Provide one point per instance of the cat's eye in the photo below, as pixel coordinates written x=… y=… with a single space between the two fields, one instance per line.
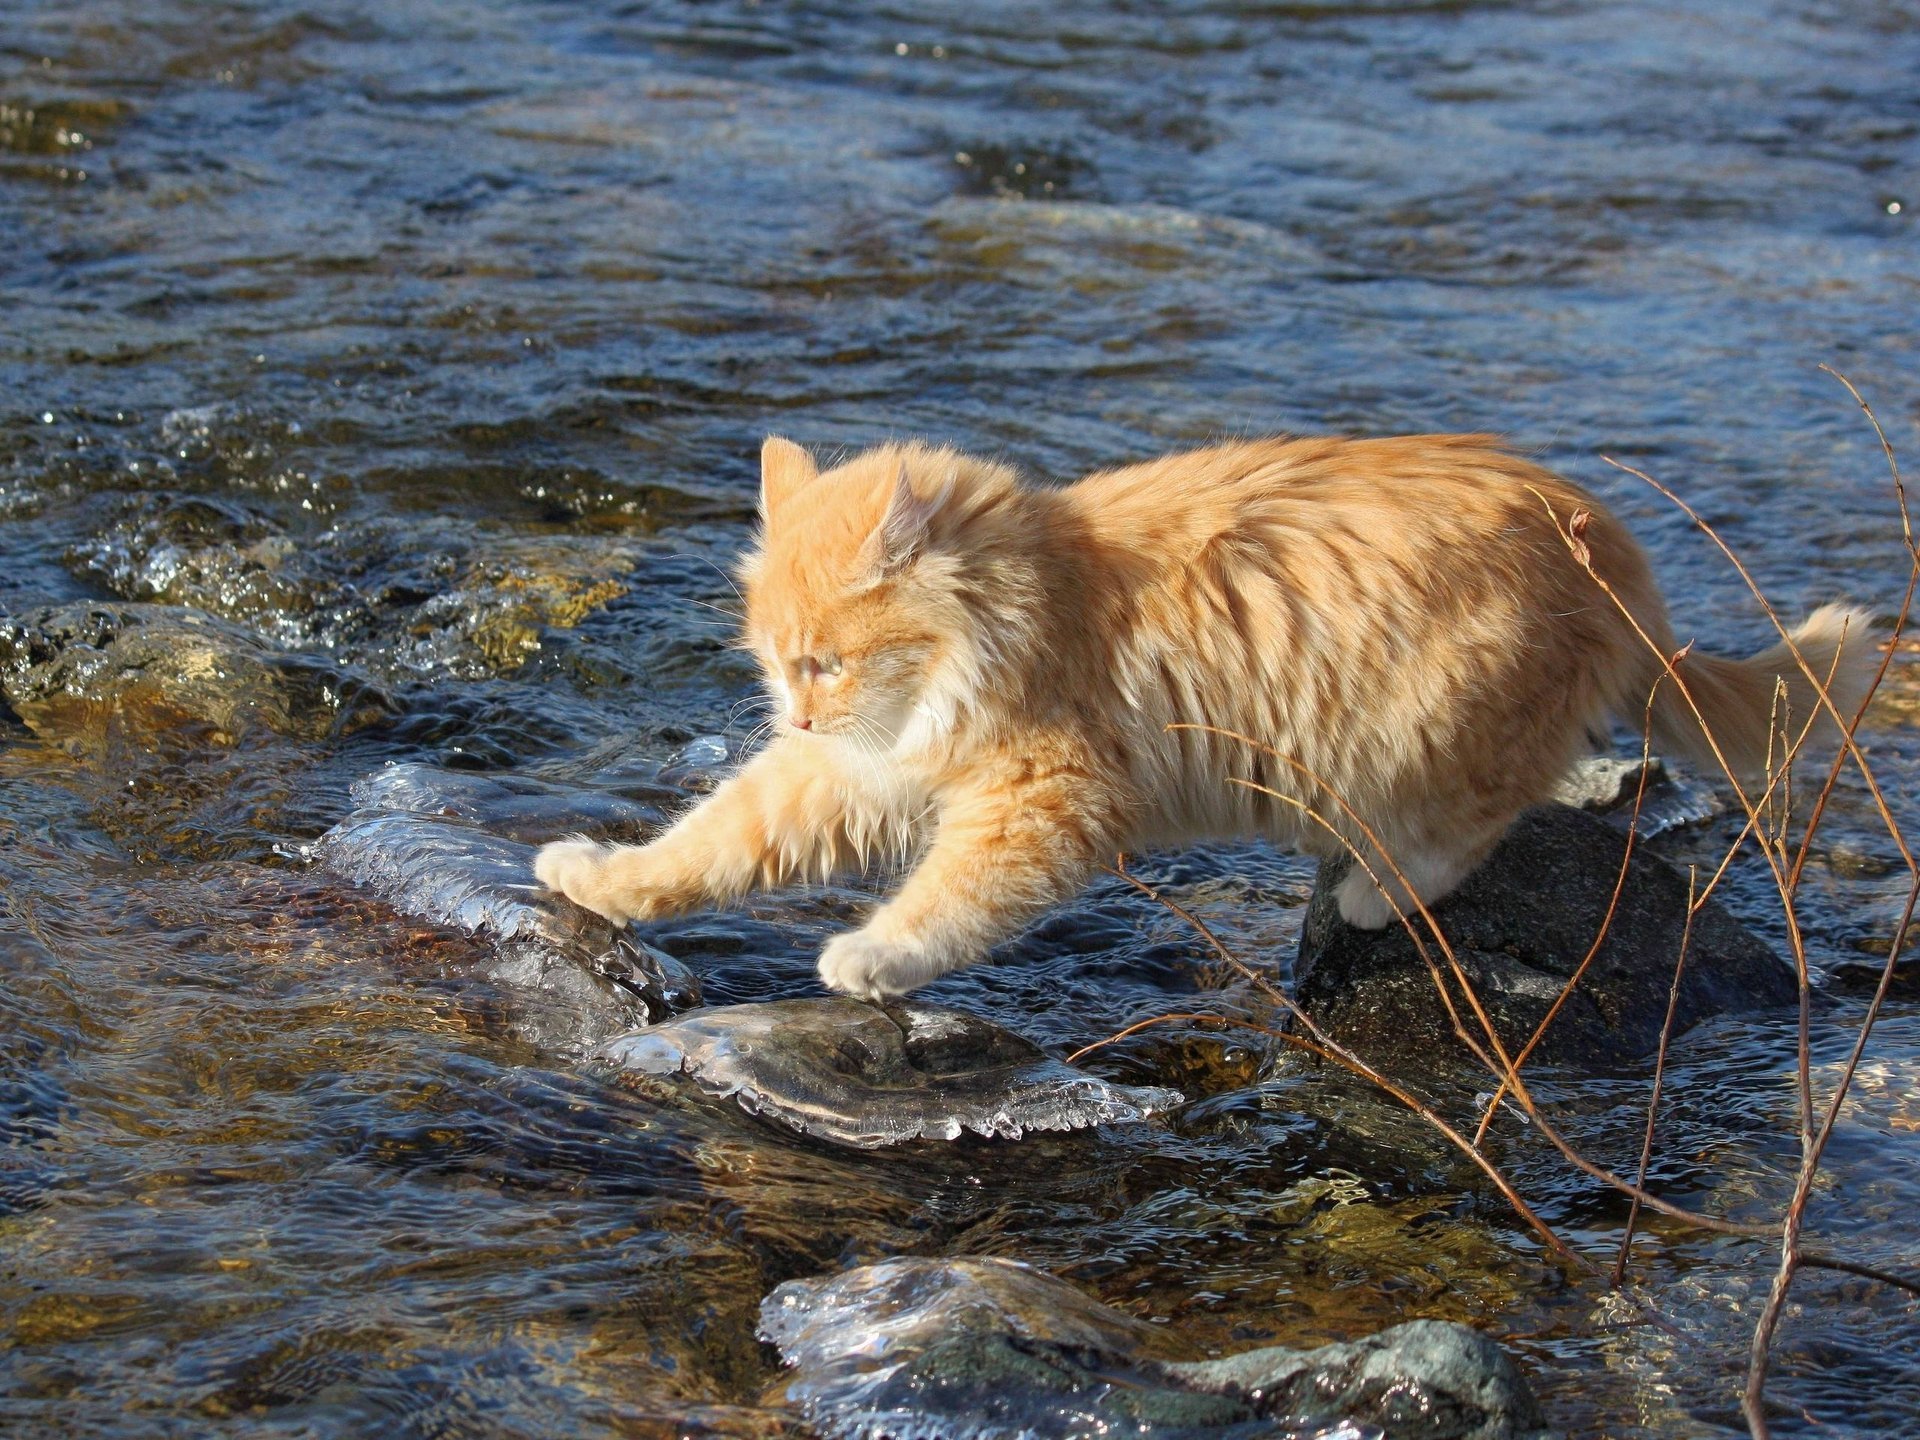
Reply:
x=811 y=665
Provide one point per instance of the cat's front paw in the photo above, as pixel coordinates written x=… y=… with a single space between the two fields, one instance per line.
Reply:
x=861 y=964
x=577 y=869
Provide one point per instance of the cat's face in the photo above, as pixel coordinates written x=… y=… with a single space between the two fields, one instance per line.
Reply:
x=843 y=616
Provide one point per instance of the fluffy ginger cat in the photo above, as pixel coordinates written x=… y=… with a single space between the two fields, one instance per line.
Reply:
x=978 y=676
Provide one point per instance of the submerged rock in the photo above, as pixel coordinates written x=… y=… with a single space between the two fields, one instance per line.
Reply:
x=438 y=597
x=1520 y=926
x=67 y=669
x=1424 y=1380
x=868 y=1075
x=979 y=1349
x=415 y=841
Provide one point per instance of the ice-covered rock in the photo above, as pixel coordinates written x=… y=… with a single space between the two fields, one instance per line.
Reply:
x=990 y=1349
x=866 y=1075
x=415 y=840
x=1607 y=784
x=516 y=806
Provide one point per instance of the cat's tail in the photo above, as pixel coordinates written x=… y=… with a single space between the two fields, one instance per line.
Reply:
x=1748 y=705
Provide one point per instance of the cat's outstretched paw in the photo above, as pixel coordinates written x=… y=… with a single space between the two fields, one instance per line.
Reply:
x=865 y=965
x=577 y=869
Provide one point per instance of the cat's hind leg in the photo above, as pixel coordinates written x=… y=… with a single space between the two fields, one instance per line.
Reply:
x=1432 y=870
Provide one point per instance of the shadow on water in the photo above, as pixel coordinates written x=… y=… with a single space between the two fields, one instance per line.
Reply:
x=383 y=384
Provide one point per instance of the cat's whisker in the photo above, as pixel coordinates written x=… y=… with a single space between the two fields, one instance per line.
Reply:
x=736 y=615
x=730 y=582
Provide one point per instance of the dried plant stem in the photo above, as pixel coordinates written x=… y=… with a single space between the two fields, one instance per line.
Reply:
x=1659 y=1074
x=1328 y=1048
x=1503 y=1067
x=1767 y=818
x=1787 y=871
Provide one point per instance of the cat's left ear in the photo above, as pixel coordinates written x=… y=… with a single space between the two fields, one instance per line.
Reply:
x=784 y=468
x=902 y=533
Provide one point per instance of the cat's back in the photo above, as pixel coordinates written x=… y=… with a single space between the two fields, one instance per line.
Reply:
x=1445 y=484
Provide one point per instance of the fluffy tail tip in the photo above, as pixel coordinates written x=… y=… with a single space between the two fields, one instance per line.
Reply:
x=1838 y=645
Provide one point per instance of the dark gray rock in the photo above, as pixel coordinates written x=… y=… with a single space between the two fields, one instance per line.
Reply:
x=1520 y=926
x=868 y=1075
x=981 y=1349
x=68 y=670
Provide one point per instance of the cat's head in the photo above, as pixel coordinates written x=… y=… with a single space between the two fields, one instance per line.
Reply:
x=857 y=610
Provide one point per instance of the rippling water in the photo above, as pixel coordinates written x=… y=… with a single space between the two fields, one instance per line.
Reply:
x=431 y=345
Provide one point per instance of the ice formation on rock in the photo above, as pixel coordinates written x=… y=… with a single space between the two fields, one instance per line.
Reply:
x=868 y=1075
x=990 y=1349
x=415 y=840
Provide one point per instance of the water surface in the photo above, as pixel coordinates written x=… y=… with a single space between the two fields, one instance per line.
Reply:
x=435 y=343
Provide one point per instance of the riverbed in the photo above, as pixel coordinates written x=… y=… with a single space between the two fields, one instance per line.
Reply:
x=421 y=355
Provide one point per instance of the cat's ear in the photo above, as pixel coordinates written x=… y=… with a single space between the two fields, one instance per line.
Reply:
x=902 y=532
x=784 y=468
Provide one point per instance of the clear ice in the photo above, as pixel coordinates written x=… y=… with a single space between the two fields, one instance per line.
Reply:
x=415 y=840
x=991 y=1349
x=867 y=1075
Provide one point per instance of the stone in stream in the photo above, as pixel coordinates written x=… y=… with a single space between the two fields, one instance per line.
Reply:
x=69 y=669
x=1520 y=926
x=1607 y=784
x=867 y=1075
x=441 y=595
x=415 y=840
x=990 y=1349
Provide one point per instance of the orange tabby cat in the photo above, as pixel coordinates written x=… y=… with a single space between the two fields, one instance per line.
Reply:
x=979 y=674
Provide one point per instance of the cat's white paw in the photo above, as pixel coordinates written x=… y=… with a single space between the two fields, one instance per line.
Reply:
x=865 y=965
x=1361 y=902
x=577 y=870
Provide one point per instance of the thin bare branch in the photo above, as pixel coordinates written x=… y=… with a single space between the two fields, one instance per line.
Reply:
x=1659 y=1074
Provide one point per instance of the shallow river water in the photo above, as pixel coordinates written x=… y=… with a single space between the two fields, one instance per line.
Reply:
x=428 y=348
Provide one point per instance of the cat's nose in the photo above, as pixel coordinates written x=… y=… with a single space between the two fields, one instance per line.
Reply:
x=801 y=723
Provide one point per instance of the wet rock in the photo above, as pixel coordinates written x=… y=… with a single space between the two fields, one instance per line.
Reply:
x=66 y=670
x=415 y=841
x=866 y=1075
x=966 y=1349
x=489 y=600
x=1520 y=926
x=1607 y=784
x=429 y=598
x=1424 y=1380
